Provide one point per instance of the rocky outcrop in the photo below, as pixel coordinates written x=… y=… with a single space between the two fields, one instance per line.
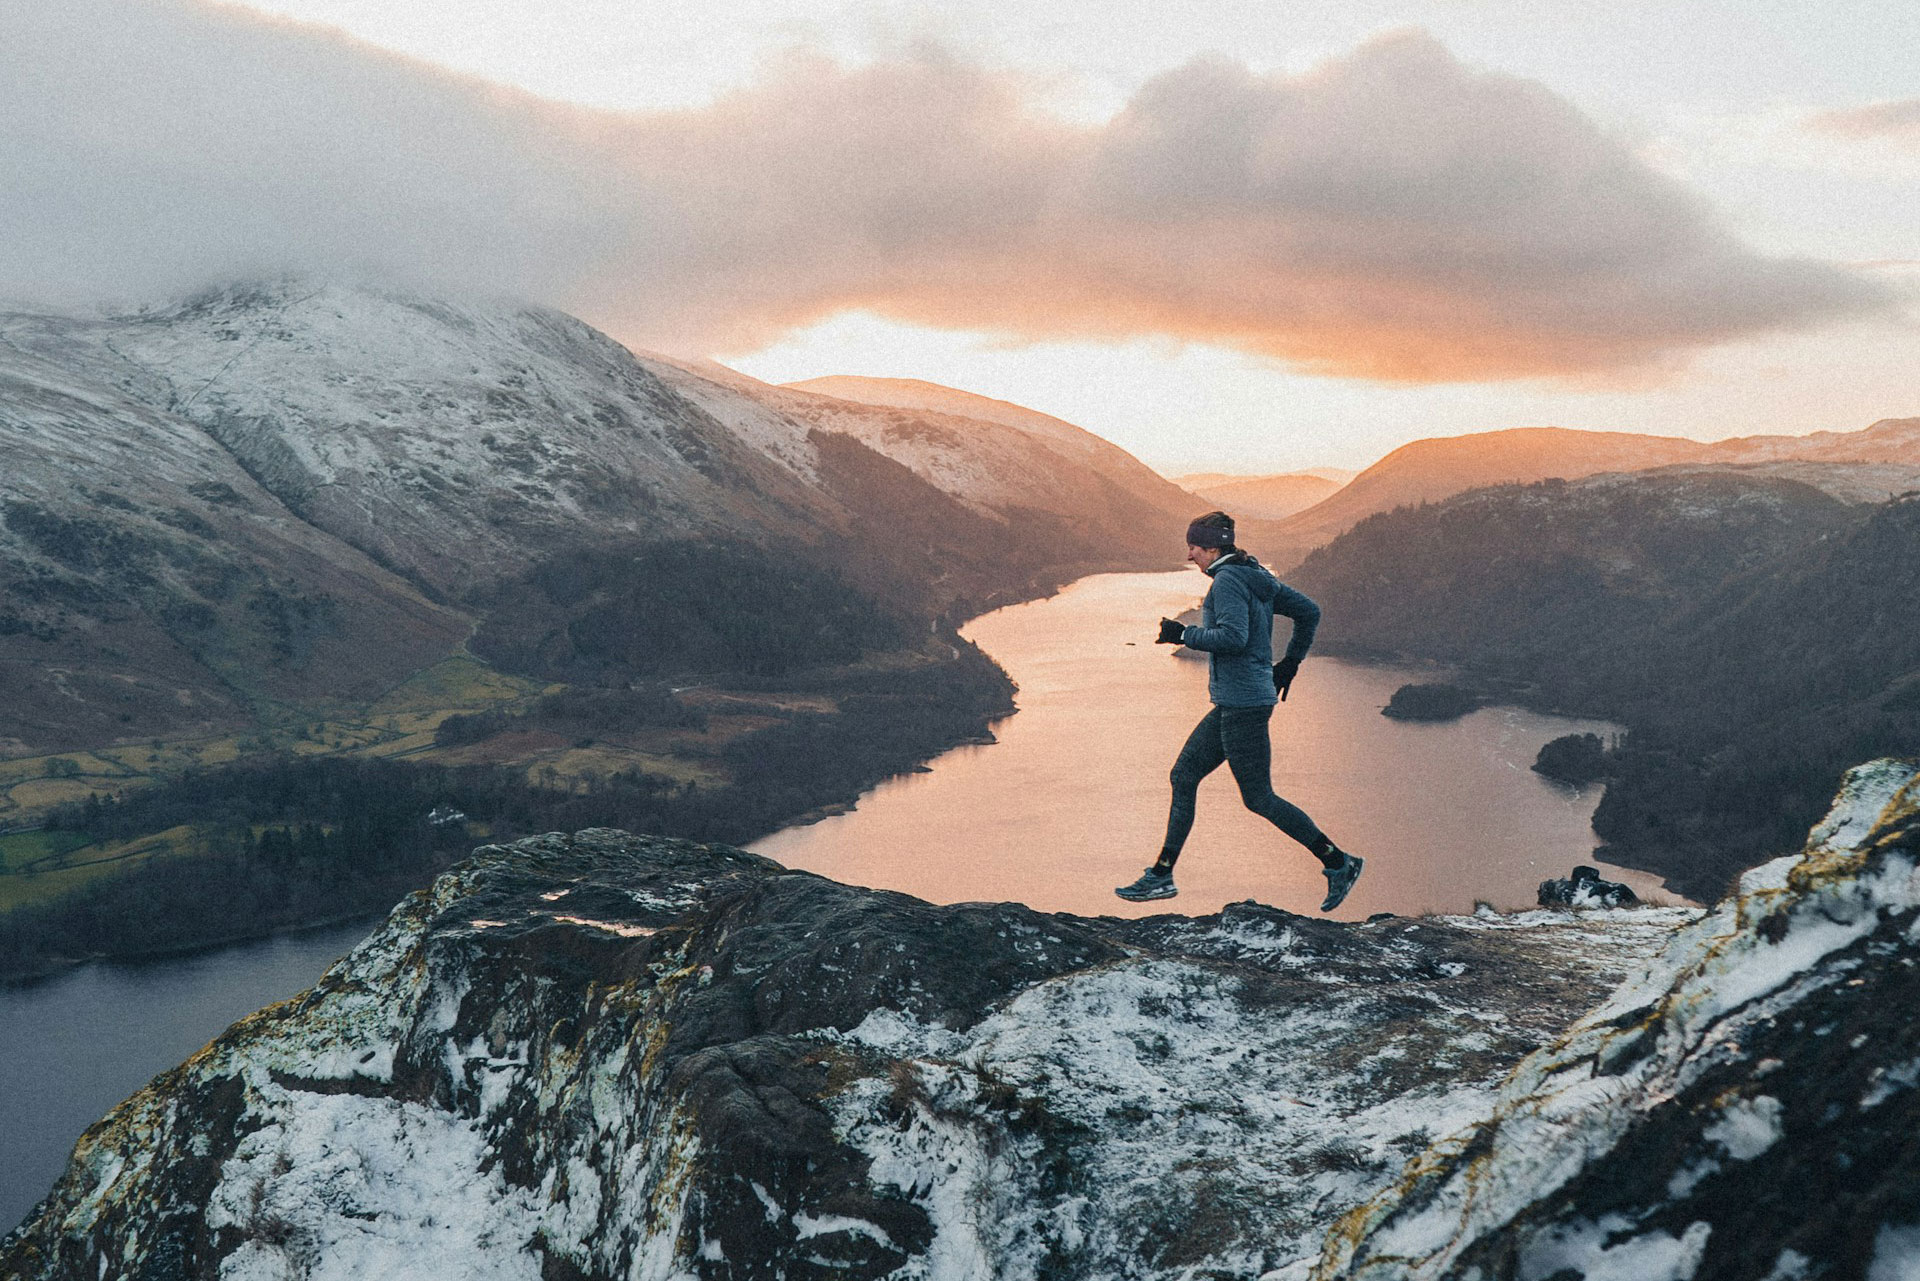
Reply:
x=1585 y=889
x=1744 y=1108
x=610 y=1056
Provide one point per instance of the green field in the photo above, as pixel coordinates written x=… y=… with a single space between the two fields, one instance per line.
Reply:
x=37 y=866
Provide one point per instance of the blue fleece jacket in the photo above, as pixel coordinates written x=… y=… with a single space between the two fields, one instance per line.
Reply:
x=1236 y=630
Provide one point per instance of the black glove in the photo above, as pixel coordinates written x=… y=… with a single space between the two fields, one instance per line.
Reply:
x=1171 y=631
x=1283 y=673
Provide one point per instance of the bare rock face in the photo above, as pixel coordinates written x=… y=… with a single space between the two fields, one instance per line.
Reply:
x=609 y=1056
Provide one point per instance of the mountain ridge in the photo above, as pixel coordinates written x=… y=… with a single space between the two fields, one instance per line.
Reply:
x=1435 y=468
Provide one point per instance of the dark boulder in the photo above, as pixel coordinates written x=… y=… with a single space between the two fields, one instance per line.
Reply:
x=1585 y=889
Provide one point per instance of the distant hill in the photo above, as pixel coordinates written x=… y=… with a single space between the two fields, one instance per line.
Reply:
x=1756 y=635
x=1196 y=481
x=1265 y=497
x=1427 y=471
x=1891 y=440
x=940 y=431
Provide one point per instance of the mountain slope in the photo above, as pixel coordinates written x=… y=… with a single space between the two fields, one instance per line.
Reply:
x=1113 y=463
x=1754 y=634
x=150 y=587
x=338 y=457
x=1428 y=470
x=455 y=442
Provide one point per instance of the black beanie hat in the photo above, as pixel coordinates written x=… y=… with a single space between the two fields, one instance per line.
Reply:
x=1215 y=529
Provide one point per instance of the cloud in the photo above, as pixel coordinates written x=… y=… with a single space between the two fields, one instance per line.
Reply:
x=1898 y=121
x=1392 y=214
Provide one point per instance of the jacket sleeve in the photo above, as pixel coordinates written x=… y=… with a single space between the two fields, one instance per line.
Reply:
x=1305 y=615
x=1228 y=635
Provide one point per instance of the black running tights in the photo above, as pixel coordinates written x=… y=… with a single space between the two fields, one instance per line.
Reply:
x=1236 y=736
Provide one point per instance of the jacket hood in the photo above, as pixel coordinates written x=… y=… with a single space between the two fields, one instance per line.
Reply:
x=1258 y=578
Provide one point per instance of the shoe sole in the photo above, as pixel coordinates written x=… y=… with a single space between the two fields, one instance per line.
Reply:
x=1147 y=897
x=1335 y=900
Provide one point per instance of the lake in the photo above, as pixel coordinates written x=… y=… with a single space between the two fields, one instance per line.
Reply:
x=1072 y=799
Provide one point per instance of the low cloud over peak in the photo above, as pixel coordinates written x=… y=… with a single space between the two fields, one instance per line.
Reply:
x=1390 y=214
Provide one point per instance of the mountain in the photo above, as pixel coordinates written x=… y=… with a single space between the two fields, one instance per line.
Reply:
x=1427 y=471
x=1754 y=634
x=609 y=1056
x=300 y=490
x=947 y=409
x=1264 y=497
x=151 y=586
x=1891 y=440
x=1196 y=481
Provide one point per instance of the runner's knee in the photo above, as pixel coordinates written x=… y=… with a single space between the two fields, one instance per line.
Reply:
x=1258 y=799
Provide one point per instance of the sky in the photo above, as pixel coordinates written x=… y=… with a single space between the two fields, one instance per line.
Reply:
x=1243 y=237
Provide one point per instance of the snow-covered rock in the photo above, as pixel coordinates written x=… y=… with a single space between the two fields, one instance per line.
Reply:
x=607 y=1056
x=1743 y=1108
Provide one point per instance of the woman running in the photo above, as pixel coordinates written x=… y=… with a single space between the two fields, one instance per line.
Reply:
x=1243 y=683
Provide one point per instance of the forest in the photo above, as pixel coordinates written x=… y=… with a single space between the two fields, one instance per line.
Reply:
x=1755 y=637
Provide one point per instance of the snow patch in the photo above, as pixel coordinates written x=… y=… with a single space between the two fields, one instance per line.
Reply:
x=809 y=1226
x=1747 y=1127
x=341 y=1187
x=1890 y=1081
x=1896 y=1253
x=1582 y=1249
x=611 y=927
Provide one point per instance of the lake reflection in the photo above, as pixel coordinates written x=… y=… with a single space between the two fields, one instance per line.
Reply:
x=1073 y=798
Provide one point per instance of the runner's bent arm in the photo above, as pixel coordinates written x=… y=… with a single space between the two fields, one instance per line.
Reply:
x=1306 y=619
x=1231 y=609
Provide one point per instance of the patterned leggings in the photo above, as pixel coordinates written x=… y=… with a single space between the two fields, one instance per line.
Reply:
x=1236 y=736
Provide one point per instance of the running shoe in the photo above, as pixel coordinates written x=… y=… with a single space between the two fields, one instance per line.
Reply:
x=1151 y=885
x=1340 y=879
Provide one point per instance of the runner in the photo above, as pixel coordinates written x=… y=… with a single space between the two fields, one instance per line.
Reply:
x=1244 y=683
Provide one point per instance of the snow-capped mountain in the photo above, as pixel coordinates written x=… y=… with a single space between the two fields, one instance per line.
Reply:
x=450 y=440
x=606 y=1056
x=150 y=586
x=278 y=489
x=940 y=410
